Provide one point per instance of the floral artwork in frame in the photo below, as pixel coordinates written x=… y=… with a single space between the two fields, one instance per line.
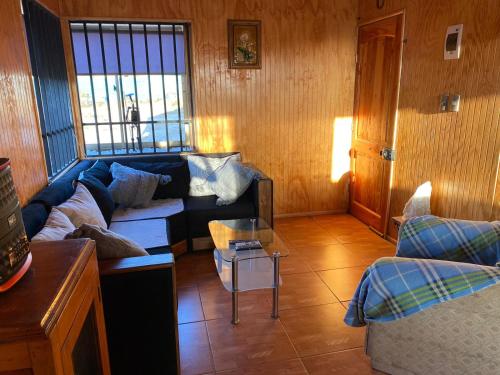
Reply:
x=244 y=44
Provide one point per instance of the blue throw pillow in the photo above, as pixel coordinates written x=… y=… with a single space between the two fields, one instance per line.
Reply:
x=178 y=171
x=100 y=170
x=100 y=193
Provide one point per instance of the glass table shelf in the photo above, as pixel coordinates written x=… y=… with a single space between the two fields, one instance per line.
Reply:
x=248 y=269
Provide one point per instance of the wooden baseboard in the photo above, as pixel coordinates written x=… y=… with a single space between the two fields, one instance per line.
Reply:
x=179 y=248
x=311 y=213
x=203 y=243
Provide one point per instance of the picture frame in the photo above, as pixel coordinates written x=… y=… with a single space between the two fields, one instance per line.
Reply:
x=244 y=44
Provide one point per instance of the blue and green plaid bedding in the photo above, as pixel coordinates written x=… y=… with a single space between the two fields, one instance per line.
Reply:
x=459 y=258
x=393 y=288
x=431 y=237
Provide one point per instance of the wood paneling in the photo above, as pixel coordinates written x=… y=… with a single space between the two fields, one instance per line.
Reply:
x=52 y=5
x=457 y=152
x=282 y=116
x=19 y=131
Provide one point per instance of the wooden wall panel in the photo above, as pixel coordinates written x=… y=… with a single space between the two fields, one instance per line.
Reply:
x=281 y=117
x=19 y=131
x=52 y=5
x=458 y=152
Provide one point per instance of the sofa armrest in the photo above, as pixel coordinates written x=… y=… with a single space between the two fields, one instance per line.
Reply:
x=140 y=311
x=262 y=188
x=135 y=264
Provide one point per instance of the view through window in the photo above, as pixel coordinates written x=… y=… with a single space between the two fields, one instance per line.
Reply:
x=134 y=87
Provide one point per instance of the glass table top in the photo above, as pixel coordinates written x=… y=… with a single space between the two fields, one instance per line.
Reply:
x=223 y=231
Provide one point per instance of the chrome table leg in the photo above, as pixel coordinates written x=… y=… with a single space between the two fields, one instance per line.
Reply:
x=234 y=279
x=276 y=284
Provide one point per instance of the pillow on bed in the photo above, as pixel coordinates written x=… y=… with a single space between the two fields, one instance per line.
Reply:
x=108 y=244
x=200 y=168
x=56 y=227
x=81 y=208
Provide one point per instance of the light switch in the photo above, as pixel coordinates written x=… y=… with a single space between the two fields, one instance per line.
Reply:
x=454 y=103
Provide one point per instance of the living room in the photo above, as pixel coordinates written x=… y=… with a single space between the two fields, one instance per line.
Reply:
x=276 y=187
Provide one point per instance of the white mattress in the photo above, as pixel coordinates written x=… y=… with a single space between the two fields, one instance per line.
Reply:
x=147 y=233
x=161 y=208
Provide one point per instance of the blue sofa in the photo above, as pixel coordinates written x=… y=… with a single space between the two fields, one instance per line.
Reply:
x=188 y=229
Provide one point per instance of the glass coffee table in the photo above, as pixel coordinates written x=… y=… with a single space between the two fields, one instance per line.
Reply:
x=248 y=269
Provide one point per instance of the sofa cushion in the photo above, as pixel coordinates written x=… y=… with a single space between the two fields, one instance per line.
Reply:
x=179 y=172
x=34 y=217
x=61 y=189
x=201 y=168
x=201 y=210
x=109 y=244
x=56 y=228
x=147 y=233
x=155 y=210
x=230 y=182
x=132 y=187
x=100 y=193
x=82 y=208
x=100 y=170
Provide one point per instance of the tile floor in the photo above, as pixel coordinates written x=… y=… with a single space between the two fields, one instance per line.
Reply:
x=328 y=255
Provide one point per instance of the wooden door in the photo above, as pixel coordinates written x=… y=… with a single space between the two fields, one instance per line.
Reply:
x=377 y=86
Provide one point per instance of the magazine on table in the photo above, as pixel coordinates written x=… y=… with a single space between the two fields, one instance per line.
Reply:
x=240 y=245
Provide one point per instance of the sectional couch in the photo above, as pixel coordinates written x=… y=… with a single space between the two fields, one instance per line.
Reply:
x=141 y=323
x=185 y=230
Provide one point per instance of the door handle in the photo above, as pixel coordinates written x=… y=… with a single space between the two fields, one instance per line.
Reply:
x=388 y=154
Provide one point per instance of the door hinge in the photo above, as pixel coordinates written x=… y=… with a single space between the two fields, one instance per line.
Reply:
x=353 y=153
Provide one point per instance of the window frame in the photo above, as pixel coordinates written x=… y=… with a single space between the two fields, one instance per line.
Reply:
x=181 y=121
x=60 y=143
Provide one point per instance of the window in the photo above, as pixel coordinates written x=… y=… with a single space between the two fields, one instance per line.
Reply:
x=134 y=87
x=51 y=87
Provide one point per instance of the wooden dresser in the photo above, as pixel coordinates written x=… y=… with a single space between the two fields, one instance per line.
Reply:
x=52 y=321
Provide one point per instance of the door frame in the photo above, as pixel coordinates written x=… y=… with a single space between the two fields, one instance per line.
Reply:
x=394 y=110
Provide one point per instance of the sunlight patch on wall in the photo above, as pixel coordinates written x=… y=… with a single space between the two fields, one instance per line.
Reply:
x=215 y=134
x=342 y=138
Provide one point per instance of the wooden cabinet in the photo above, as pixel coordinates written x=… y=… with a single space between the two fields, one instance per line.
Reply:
x=52 y=322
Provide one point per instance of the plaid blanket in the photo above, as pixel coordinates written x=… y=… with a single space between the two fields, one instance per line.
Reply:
x=393 y=288
x=432 y=237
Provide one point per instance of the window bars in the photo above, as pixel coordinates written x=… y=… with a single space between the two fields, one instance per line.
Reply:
x=134 y=86
x=51 y=87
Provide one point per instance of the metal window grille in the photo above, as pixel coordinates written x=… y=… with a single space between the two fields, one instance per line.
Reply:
x=134 y=86
x=51 y=87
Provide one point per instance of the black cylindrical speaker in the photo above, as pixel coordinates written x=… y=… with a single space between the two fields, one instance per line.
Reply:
x=15 y=256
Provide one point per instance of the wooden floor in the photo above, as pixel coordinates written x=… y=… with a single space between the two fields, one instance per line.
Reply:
x=327 y=257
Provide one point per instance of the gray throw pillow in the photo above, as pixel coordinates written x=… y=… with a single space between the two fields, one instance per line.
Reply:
x=230 y=181
x=108 y=244
x=133 y=188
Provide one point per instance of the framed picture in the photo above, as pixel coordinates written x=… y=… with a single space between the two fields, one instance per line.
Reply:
x=244 y=44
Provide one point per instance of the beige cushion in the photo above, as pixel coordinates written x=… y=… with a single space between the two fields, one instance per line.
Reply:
x=109 y=244
x=82 y=208
x=56 y=228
